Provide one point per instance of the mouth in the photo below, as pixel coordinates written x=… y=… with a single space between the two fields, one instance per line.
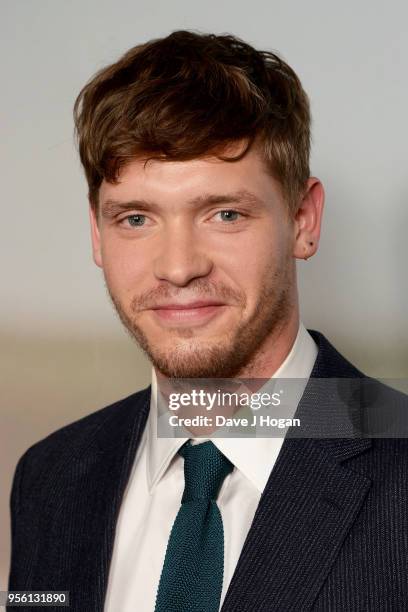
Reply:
x=198 y=312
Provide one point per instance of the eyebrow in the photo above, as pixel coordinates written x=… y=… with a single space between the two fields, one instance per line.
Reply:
x=112 y=207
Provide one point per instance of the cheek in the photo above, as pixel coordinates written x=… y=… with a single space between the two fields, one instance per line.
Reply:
x=255 y=256
x=250 y=265
x=122 y=269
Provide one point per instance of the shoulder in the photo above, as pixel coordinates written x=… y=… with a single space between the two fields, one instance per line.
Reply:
x=81 y=431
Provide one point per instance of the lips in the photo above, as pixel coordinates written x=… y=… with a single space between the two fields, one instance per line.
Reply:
x=188 y=306
x=198 y=312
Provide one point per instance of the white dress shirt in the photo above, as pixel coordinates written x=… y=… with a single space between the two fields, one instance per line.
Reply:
x=152 y=497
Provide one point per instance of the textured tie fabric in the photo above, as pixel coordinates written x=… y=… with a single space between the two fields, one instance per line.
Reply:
x=192 y=574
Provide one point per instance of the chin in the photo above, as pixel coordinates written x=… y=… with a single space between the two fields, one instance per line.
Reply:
x=202 y=360
x=183 y=361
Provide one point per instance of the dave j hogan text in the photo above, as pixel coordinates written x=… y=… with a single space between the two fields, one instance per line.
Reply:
x=222 y=421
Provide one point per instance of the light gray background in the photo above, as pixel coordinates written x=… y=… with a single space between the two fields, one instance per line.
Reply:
x=64 y=353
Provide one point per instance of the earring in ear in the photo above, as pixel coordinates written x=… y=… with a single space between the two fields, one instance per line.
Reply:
x=311 y=244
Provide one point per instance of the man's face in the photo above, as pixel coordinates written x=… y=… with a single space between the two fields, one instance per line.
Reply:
x=198 y=260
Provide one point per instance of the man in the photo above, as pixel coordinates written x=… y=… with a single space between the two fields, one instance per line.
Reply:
x=196 y=152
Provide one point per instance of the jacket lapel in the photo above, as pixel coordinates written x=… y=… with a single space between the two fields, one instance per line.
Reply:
x=306 y=510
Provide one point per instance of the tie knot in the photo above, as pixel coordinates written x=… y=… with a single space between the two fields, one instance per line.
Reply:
x=205 y=468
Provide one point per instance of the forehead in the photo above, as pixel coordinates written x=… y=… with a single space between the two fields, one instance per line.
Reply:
x=187 y=180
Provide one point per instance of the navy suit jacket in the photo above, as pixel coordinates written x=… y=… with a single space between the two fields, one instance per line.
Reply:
x=330 y=533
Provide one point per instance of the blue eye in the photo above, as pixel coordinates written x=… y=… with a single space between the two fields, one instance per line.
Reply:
x=134 y=220
x=230 y=215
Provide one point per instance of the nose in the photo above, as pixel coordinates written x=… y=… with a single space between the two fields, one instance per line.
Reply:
x=181 y=256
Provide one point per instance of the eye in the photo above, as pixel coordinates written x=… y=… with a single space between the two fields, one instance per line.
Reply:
x=134 y=220
x=229 y=214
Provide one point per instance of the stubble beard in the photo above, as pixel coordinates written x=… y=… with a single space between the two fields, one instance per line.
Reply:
x=237 y=353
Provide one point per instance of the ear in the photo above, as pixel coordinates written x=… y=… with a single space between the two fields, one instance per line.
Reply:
x=95 y=236
x=308 y=219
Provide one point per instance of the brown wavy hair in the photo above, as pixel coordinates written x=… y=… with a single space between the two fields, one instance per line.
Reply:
x=188 y=95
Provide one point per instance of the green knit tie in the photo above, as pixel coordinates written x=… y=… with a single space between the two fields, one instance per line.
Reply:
x=193 y=569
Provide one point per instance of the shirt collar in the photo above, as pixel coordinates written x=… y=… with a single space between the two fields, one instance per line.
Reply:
x=254 y=457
